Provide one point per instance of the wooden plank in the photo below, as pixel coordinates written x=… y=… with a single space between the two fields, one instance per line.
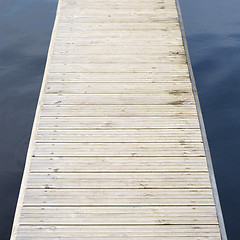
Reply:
x=80 y=2
x=75 y=68
x=116 y=50
x=123 y=18
x=165 y=89
x=107 y=59
x=118 y=197
x=169 y=232
x=118 y=149
x=141 y=9
x=118 y=164
x=116 y=99
x=115 y=11
x=119 y=215
x=117 y=110
x=69 y=2
x=118 y=5
x=119 y=18
x=119 y=26
x=118 y=180
x=134 y=238
x=181 y=121
x=117 y=42
x=120 y=77
x=124 y=135
x=124 y=34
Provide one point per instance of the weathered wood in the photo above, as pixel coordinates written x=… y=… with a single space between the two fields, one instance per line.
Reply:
x=118 y=180
x=117 y=42
x=93 y=232
x=119 y=215
x=127 y=34
x=115 y=99
x=120 y=77
x=76 y=68
x=116 y=150
x=123 y=135
x=117 y=50
x=118 y=197
x=181 y=121
x=164 y=90
x=118 y=164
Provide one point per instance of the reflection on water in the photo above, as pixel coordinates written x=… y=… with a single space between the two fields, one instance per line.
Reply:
x=25 y=28
x=213 y=34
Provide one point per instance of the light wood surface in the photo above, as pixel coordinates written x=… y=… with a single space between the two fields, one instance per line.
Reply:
x=116 y=150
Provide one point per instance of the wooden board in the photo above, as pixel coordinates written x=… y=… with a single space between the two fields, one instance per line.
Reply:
x=118 y=180
x=124 y=135
x=118 y=164
x=116 y=98
x=119 y=77
x=130 y=232
x=119 y=215
x=116 y=150
x=181 y=121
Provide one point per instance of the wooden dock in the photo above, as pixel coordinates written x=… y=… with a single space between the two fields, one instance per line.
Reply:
x=118 y=148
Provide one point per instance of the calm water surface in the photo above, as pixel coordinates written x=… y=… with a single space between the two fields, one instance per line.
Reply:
x=213 y=34
x=25 y=28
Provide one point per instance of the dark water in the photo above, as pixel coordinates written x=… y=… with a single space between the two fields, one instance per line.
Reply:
x=25 y=28
x=213 y=34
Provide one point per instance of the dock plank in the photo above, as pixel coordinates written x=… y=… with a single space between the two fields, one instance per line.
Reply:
x=118 y=164
x=167 y=232
x=119 y=215
x=118 y=197
x=124 y=135
x=118 y=180
x=55 y=98
x=118 y=149
x=168 y=90
x=135 y=77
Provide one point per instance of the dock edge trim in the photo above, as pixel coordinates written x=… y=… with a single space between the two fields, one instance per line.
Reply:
x=203 y=130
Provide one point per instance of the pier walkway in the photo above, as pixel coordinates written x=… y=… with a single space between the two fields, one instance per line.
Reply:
x=117 y=147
